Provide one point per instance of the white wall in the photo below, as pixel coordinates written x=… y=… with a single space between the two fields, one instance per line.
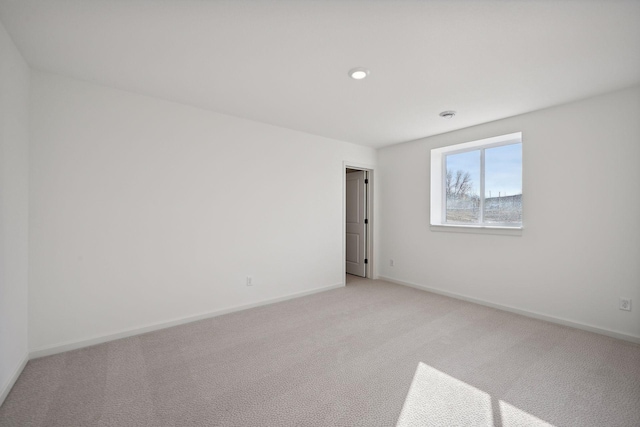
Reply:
x=145 y=211
x=580 y=247
x=14 y=173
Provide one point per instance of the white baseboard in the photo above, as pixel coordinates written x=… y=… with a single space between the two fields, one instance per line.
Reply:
x=533 y=314
x=6 y=388
x=73 y=345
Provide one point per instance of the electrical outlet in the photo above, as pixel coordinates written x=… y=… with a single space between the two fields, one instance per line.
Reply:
x=625 y=304
x=391 y=263
x=249 y=281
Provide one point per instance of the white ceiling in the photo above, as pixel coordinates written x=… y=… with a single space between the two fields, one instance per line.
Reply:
x=286 y=62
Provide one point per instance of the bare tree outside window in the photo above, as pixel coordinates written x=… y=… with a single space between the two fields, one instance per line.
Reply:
x=460 y=185
x=462 y=182
x=462 y=202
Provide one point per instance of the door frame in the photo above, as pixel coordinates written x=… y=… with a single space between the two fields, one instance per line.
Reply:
x=370 y=271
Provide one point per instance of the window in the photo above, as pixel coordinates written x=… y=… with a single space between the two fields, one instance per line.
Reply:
x=478 y=184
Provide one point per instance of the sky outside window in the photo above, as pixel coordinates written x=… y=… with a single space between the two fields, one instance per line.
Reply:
x=503 y=170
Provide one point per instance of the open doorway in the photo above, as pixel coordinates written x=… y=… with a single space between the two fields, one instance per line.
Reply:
x=358 y=236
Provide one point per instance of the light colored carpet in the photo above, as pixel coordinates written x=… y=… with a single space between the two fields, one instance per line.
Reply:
x=370 y=354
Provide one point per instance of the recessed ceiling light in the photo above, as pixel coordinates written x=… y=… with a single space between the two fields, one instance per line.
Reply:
x=448 y=114
x=358 y=73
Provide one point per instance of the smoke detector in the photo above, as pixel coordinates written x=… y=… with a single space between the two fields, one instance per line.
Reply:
x=447 y=114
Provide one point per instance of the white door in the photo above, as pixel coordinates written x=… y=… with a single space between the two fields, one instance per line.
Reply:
x=355 y=223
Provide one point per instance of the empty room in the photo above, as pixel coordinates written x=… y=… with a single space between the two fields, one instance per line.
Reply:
x=319 y=213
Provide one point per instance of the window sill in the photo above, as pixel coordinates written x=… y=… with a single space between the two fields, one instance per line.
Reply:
x=478 y=229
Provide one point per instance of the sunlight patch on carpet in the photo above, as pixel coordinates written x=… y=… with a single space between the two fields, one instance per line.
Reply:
x=438 y=399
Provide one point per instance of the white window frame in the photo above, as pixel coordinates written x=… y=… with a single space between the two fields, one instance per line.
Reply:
x=438 y=179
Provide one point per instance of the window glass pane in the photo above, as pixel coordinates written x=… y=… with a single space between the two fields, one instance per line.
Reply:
x=462 y=187
x=503 y=184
